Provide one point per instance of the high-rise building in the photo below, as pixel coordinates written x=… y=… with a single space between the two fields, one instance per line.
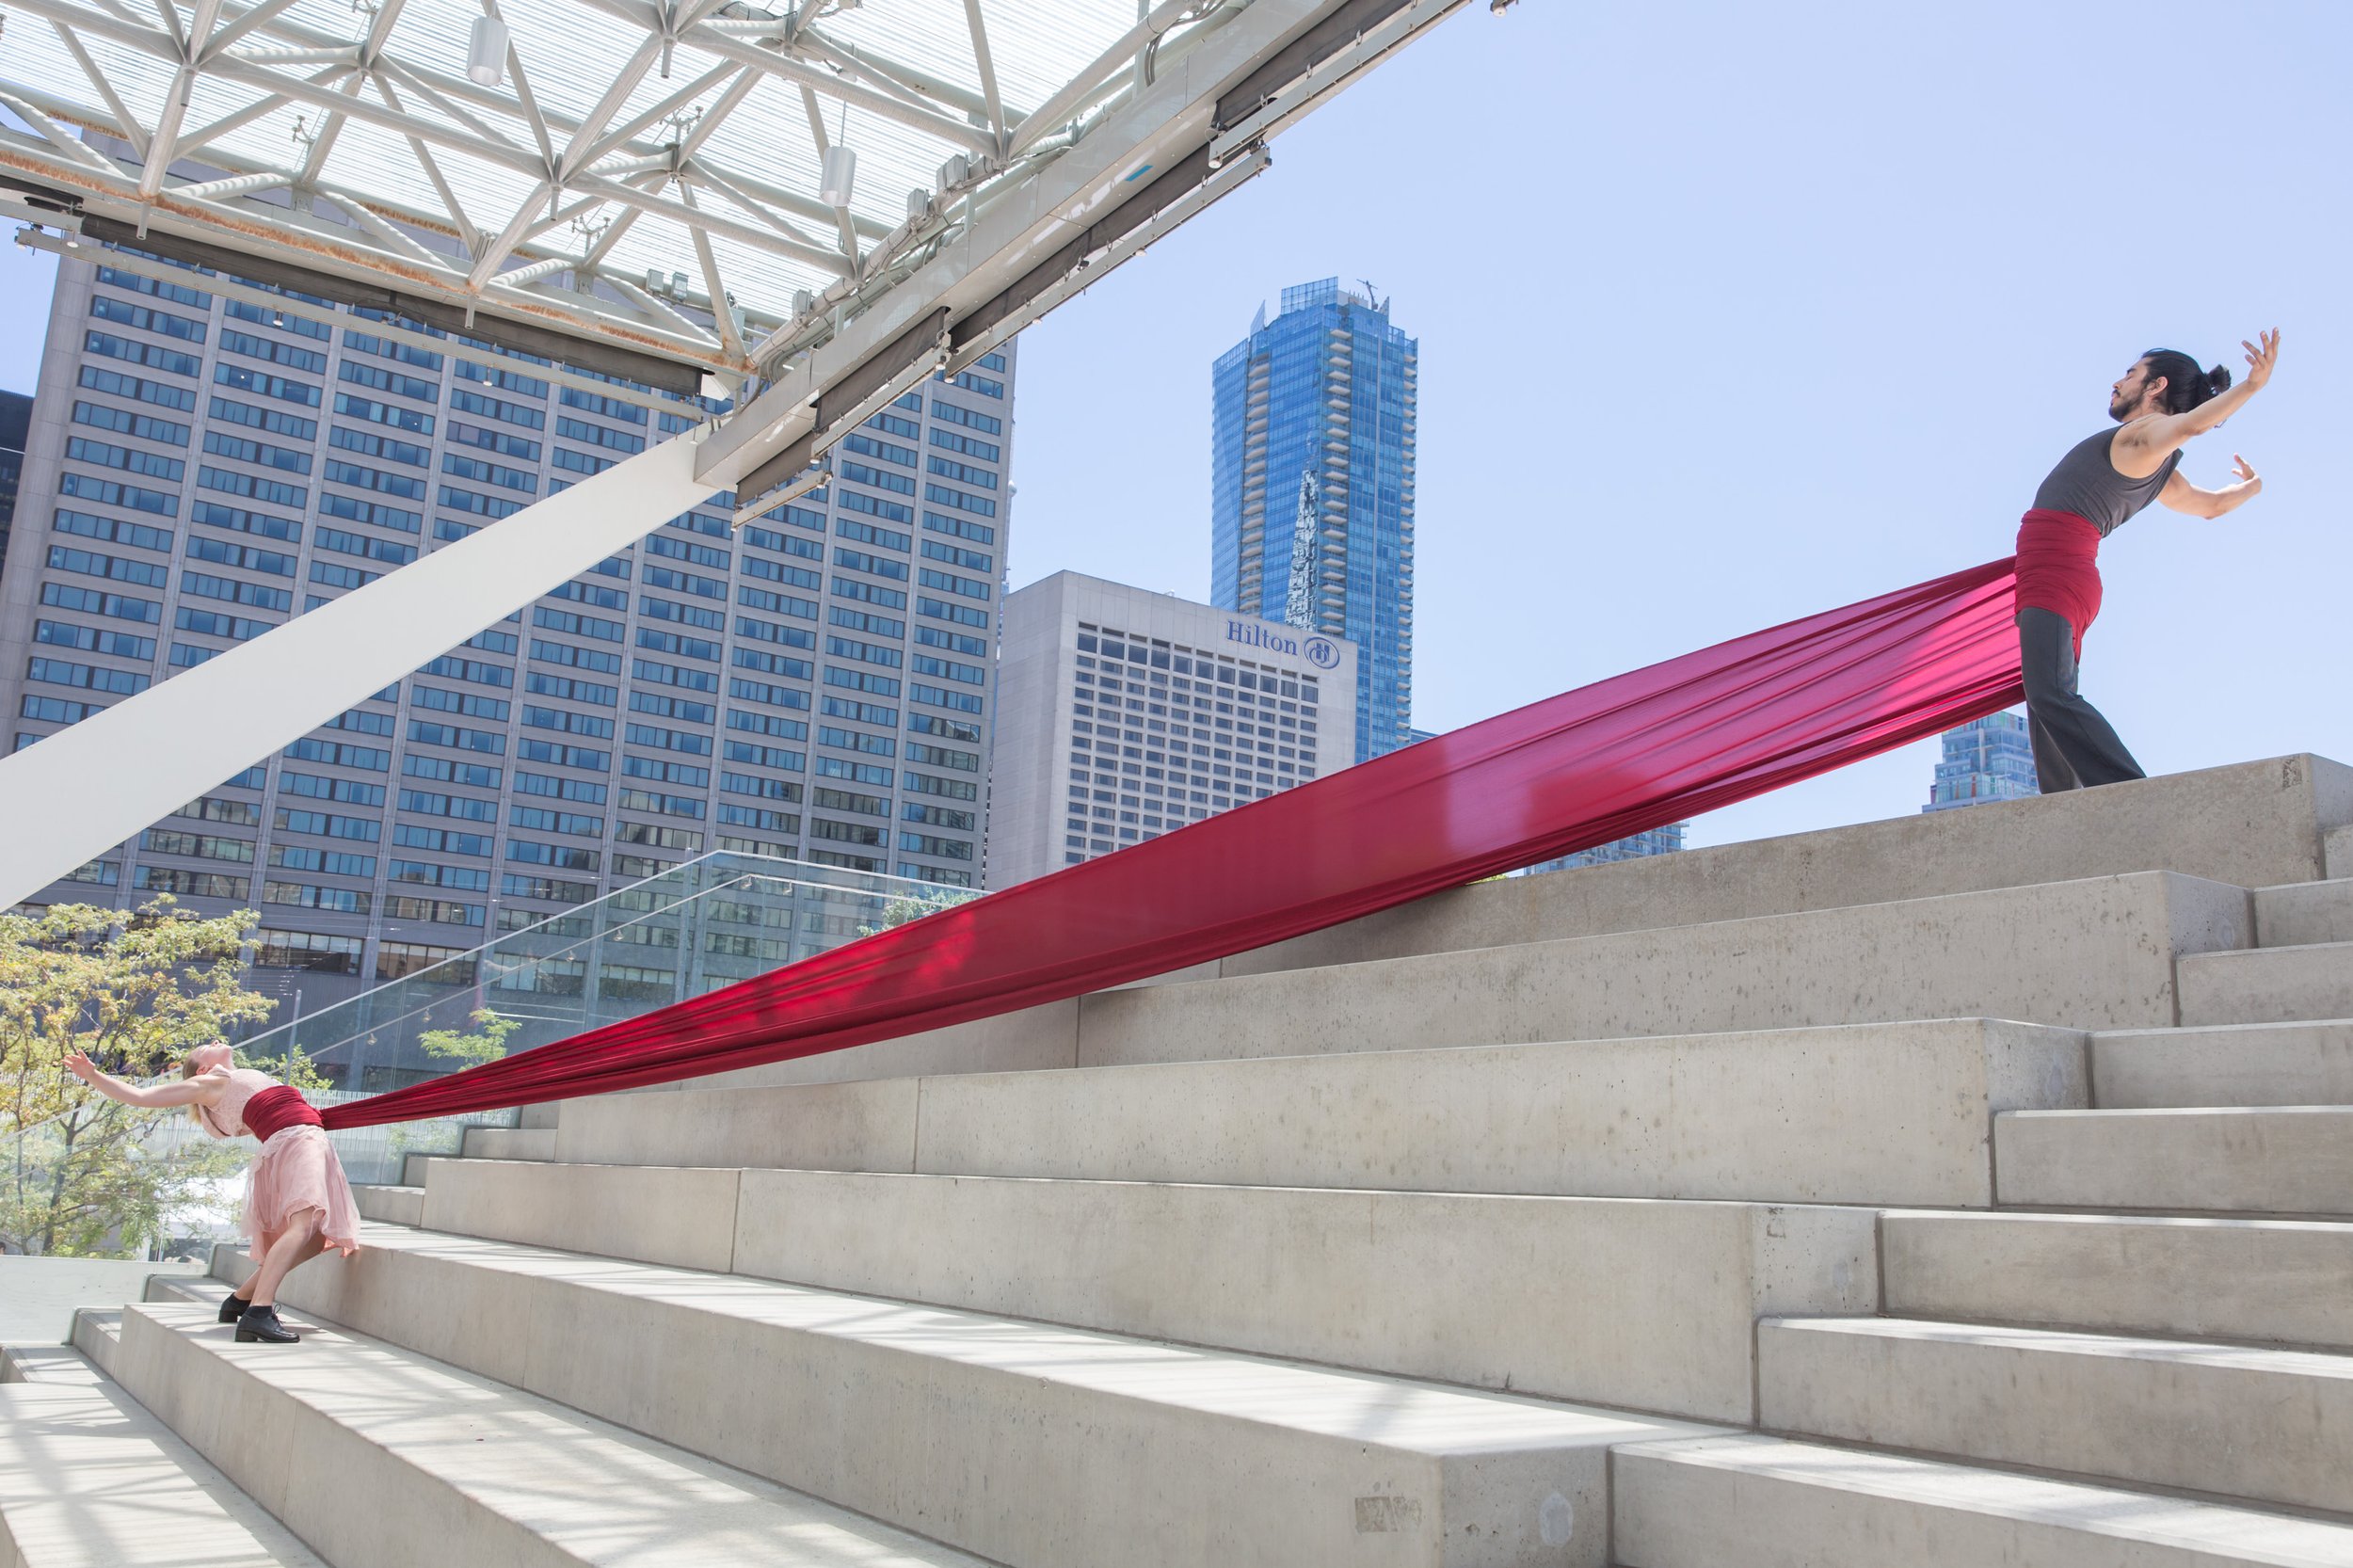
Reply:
x=1123 y=715
x=1658 y=840
x=816 y=685
x=1987 y=758
x=1313 y=418
x=16 y=419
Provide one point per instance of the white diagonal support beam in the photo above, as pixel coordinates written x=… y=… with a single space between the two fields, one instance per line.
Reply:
x=722 y=311
x=166 y=134
x=1082 y=89
x=456 y=211
x=134 y=131
x=205 y=136
x=986 y=64
x=253 y=17
x=782 y=63
x=73 y=147
x=147 y=756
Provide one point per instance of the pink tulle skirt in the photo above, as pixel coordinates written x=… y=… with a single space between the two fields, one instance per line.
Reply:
x=297 y=1170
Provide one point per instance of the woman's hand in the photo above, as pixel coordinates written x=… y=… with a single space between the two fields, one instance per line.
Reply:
x=81 y=1067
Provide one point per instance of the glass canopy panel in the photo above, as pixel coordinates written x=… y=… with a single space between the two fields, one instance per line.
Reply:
x=652 y=122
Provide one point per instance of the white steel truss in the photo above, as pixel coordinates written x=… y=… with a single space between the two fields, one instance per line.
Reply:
x=640 y=190
x=672 y=144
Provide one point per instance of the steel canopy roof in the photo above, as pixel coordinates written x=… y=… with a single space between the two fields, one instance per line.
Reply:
x=637 y=160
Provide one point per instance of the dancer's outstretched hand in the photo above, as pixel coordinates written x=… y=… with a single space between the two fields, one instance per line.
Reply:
x=2245 y=471
x=2262 y=357
x=81 y=1067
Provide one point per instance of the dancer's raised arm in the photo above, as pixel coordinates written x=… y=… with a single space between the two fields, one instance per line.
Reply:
x=2144 y=443
x=203 y=1089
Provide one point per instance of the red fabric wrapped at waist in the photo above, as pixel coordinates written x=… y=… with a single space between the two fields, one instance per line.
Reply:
x=275 y=1109
x=2058 y=570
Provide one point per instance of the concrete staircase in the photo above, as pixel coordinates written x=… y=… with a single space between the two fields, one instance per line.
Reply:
x=1970 y=1189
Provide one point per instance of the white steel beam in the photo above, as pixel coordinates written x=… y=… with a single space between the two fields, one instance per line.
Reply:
x=133 y=131
x=166 y=134
x=147 y=756
x=987 y=67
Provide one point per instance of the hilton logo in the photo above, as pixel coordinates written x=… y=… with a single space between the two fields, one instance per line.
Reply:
x=1318 y=651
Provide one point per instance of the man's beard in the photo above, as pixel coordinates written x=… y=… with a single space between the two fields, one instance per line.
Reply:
x=2118 y=408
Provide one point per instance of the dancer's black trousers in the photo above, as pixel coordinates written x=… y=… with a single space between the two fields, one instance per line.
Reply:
x=2073 y=746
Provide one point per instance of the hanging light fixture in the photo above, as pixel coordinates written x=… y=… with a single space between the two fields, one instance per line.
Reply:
x=837 y=172
x=837 y=177
x=486 y=52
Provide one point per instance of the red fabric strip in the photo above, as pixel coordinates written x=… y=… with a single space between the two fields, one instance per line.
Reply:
x=2059 y=569
x=1622 y=756
x=275 y=1109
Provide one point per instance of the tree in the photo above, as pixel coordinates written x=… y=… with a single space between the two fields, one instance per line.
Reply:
x=84 y=1175
x=472 y=1051
x=899 y=910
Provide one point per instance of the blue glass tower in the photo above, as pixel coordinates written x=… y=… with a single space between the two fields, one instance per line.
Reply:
x=1658 y=840
x=1987 y=758
x=1313 y=416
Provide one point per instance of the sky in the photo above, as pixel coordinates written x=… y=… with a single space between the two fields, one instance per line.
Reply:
x=1729 y=313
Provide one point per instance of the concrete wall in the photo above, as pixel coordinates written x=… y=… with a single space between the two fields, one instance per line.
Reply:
x=1870 y=1113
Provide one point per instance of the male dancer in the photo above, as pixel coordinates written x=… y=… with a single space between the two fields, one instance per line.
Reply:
x=2163 y=401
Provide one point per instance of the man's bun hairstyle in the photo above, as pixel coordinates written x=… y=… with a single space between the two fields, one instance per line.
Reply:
x=2186 y=384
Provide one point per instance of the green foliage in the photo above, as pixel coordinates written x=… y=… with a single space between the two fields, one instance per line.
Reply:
x=470 y=1050
x=83 y=1174
x=898 y=911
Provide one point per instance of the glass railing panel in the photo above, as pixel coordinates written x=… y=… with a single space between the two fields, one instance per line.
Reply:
x=694 y=928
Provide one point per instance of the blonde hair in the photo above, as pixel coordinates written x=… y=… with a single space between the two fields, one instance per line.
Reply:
x=189 y=1069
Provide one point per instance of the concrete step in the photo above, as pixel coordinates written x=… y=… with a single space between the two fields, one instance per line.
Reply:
x=386 y=1458
x=1771 y=1502
x=1626 y=1302
x=2089 y=955
x=88 y=1478
x=2094 y=953
x=507 y=1143
x=2304 y=913
x=2224 y=1064
x=2252 y=824
x=2281 y=1281
x=1028 y=1444
x=401 y=1205
x=2267 y=985
x=2266 y=1426
x=2275 y=1160
x=1880 y=1113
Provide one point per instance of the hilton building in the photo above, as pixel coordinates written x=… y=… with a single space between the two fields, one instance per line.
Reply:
x=1124 y=714
x=202 y=467
x=1311 y=488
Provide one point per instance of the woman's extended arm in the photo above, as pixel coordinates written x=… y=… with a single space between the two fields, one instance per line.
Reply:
x=203 y=1089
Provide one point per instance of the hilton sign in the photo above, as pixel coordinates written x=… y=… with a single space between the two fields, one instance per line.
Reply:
x=1318 y=651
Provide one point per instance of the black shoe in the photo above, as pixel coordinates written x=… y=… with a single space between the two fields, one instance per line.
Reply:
x=233 y=1308
x=261 y=1323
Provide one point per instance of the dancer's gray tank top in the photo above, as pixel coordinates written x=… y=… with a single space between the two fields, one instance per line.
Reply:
x=2087 y=484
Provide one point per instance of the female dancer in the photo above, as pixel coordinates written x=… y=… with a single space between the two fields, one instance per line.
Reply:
x=297 y=1203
